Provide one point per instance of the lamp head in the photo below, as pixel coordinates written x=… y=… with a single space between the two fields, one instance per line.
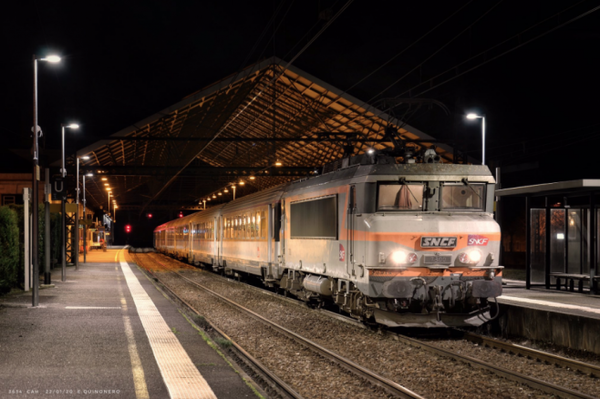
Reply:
x=473 y=116
x=73 y=126
x=51 y=58
x=85 y=157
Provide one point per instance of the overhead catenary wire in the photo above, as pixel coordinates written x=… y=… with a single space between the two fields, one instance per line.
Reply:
x=370 y=106
x=224 y=127
x=368 y=103
x=417 y=41
x=487 y=61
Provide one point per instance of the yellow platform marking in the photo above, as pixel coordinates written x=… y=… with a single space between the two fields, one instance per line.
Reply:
x=182 y=378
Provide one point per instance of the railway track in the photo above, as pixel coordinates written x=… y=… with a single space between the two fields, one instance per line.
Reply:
x=553 y=389
x=519 y=350
x=392 y=388
x=384 y=383
x=538 y=384
x=270 y=380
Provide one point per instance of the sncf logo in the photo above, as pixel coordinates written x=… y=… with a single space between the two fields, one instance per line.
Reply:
x=477 y=240
x=438 y=242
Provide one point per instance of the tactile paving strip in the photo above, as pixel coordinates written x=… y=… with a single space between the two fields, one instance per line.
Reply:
x=182 y=378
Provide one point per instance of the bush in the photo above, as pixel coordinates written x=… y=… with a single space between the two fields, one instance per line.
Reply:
x=9 y=249
x=55 y=239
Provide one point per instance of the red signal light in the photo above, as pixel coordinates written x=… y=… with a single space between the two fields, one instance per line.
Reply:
x=127 y=228
x=180 y=214
x=149 y=216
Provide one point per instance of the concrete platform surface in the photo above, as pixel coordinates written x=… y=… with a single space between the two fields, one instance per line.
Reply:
x=551 y=300
x=107 y=332
x=562 y=318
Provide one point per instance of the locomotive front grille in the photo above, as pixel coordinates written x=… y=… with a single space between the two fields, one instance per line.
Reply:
x=437 y=259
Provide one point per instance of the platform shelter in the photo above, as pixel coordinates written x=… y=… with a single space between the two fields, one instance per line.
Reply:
x=562 y=222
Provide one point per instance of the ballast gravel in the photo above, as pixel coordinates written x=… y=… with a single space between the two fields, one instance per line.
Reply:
x=427 y=374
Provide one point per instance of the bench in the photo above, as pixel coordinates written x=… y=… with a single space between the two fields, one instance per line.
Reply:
x=570 y=280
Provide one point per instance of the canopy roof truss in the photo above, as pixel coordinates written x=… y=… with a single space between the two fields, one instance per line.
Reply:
x=236 y=129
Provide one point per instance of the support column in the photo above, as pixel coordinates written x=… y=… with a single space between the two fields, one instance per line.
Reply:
x=592 y=247
x=27 y=237
x=548 y=258
x=527 y=243
x=48 y=192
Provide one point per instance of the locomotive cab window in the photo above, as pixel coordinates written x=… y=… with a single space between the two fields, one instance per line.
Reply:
x=460 y=196
x=400 y=197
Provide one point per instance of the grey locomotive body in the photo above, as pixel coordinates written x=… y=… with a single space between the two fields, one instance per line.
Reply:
x=403 y=245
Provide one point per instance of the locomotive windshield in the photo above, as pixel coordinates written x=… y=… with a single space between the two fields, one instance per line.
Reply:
x=463 y=196
x=400 y=197
x=452 y=196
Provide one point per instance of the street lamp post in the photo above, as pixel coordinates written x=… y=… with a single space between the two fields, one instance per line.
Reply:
x=482 y=117
x=85 y=157
x=35 y=183
x=63 y=204
x=109 y=220
x=85 y=221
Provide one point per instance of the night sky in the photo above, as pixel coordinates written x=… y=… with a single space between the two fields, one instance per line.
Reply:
x=124 y=61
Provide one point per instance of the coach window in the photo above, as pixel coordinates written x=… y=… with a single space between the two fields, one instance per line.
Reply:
x=263 y=225
x=463 y=196
x=401 y=197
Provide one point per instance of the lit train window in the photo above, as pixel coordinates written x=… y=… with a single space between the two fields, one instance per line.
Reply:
x=463 y=197
x=401 y=197
x=263 y=225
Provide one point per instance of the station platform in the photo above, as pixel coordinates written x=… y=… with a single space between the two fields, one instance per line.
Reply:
x=108 y=332
x=563 y=318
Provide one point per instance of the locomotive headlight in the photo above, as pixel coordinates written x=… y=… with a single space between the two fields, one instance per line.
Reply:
x=398 y=257
x=473 y=256
x=403 y=258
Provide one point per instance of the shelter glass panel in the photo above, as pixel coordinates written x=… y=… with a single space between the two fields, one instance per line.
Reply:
x=576 y=240
x=538 y=246
x=557 y=240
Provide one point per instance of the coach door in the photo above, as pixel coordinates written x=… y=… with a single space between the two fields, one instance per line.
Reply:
x=217 y=242
x=350 y=227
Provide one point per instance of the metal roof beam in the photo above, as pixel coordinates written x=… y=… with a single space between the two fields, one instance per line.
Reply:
x=115 y=170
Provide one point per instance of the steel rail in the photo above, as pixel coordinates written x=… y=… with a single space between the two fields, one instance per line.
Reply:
x=500 y=371
x=586 y=368
x=377 y=380
x=274 y=382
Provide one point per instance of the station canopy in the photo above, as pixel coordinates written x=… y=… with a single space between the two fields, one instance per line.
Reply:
x=268 y=124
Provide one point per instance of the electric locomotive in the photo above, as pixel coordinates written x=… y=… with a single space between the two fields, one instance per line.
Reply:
x=411 y=245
